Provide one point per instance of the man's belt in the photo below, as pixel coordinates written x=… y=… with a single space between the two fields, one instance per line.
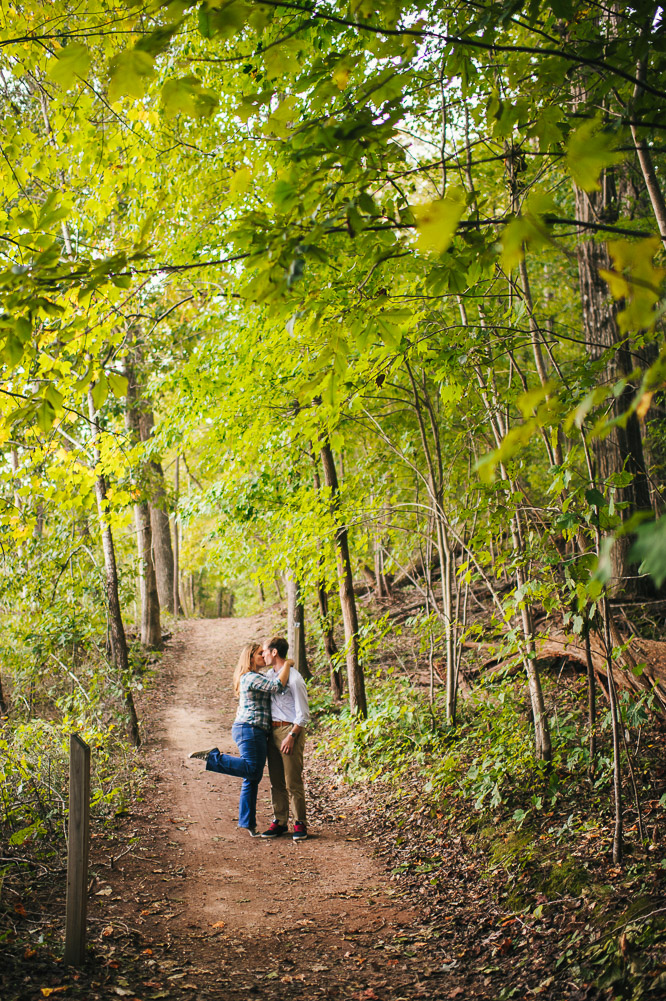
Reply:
x=282 y=722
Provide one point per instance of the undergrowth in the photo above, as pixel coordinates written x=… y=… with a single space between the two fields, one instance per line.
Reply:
x=486 y=761
x=539 y=835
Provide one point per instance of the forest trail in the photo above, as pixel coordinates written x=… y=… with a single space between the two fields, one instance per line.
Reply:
x=220 y=914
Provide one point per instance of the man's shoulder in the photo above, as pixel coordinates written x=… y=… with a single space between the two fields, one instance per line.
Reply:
x=298 y=679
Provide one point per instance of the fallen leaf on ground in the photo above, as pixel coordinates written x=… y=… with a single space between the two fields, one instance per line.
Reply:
x=20 y=910
x=48 y=991
x=108 y=931
x=218 y=924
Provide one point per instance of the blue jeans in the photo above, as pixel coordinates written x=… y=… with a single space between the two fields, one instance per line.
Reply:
x=252 y=743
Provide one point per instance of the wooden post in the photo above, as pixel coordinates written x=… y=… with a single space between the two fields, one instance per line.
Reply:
x=77 y=855
x=297 y=645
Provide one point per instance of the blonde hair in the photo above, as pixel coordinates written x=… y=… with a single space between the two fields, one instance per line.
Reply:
x=244 y=664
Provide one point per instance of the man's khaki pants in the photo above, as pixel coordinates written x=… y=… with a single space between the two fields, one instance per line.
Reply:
x=286 y=774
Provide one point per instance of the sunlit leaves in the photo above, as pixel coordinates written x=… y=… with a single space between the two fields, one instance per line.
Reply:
x=69 y=63
x=437 y=221
x=649 y=550
x=222 y=19
x=186 y=96
x=635 y=280
x=527 y=229
x=129 y=73
x=589 y=151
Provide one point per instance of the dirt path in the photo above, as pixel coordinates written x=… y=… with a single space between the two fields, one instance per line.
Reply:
x=220 y=914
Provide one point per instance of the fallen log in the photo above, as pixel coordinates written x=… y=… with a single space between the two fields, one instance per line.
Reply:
x=641 y=665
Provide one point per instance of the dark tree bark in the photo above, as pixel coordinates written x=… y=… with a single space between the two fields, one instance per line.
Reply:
x=3 y=704
x=116 y=628
x=325 y=613
x=623 y=447
x=355 y=679
x=329 y=641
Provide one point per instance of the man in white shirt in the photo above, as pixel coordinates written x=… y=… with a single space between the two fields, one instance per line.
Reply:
x=290 y=715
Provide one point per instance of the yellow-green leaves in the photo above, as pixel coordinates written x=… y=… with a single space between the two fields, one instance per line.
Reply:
x=280 y=122
x=129 y=73
x=528 y=228
x=437 y=221
x=222 y=19
x=187 y=97
x=117 y=384
x=589 y=151
x=636 y=280
x=69 y=63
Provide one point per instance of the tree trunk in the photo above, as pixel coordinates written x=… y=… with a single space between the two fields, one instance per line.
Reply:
x=151 y=630
x=3 y=704
x=355 y=680
x=159 y=520
x=591 y=703
x=116 y=628
x=329 y=641
x=618 y=837
x=324 y=611
x=623 y=447
x=296 y=613
x=176 y=605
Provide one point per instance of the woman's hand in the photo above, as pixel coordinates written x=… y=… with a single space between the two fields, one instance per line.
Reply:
x=283 y=676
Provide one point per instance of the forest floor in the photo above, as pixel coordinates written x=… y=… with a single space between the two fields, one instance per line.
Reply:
x=183 y=904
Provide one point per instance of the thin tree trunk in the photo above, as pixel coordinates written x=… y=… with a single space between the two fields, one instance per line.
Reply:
x=151 y=629
x=436 y=490
x=177 y=610
x=645 y=157
x=116 y=628
x=326 y=618
x=355 y=679
x=591 y=703
x=329 y=641
x=542 y=739
x=3 y=703
x=159 y=520
x=296 y=613
x=615 y=723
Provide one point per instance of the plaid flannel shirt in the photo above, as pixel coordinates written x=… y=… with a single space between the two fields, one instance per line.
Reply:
x=254 y=703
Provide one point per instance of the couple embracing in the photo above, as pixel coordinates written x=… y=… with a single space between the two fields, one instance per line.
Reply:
x=270 y=724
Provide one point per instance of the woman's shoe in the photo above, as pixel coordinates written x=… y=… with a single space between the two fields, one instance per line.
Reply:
x=200 y=754
x=253 y=832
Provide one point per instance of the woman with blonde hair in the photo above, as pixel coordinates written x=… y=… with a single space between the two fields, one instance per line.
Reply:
x=250 y=731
